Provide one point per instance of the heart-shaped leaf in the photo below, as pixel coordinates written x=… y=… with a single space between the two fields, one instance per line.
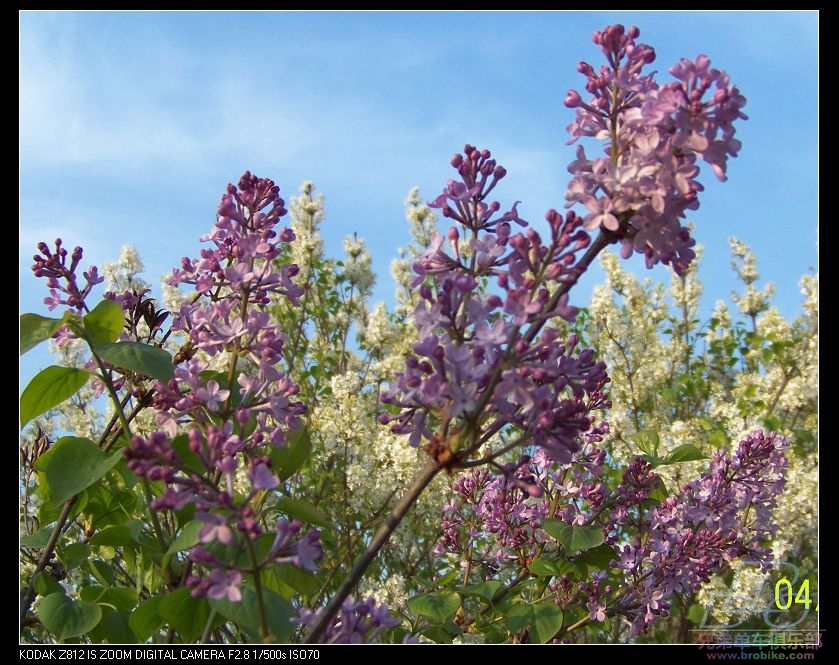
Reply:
x=143 y=358
x=574 y=538
x=438 y=605
x=104 y=322
x=65 y=617
x=34 y=329
x=49 y=388
x=544 y=620
x=71 y=465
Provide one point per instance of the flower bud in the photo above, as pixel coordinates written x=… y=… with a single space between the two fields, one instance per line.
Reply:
x=573 y=99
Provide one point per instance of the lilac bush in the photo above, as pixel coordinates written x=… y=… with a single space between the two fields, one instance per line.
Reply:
x=481 y=363
x=471 y=358
x=544 y=533
x=723 y=515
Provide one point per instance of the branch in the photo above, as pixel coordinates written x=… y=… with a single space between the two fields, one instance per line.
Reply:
x=381 y=536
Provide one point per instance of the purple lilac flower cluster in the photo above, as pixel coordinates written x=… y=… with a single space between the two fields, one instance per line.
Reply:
x=498 y=529
x=645 y=183
x=661 y=549
x=62 y=282
x=358 y=622
x=481 y=364
x=495 y=520
x=61 y=278
x=723 y=515
x=230 y=416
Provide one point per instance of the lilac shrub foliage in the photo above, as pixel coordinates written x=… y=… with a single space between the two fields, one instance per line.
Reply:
x=211 y=452
x=495 y=391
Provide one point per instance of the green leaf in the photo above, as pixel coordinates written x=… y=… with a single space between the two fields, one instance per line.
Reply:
x=439 y=635
x=687 y=452
x=187 y=537
x=303 y=511
x=47 y=513
x=599 y=558
x=547 y=620
x=544 y=566
x=71 y=465
x=660 y=493
x=273 y=582
x=446 y=579
x=651 y=459
x=544 y=620
x=119 y=598
x=145 y=620
x=74 y=555
x=718 y=438
x=298 y=579
x=38 y=539
x=245 y=614
x=102 y=571
x=65 y=617
x=45 y=584
x=118 y=534
x=439 y=606
x=143 y=358
x=494 y=633
x=647 y=441
x=49 y=388
x=185 y=614
x=574 y=538
x=104 y=322
x=109 y=505
x=772 y=423
x=482 y=589
x=668 y=394
x=114 y=628
x=706 y=424
x=291 y=457
x=34 y=329
x=696 y=613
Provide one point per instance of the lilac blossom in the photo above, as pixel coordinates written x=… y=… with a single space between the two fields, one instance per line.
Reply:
x=483 y=363
x=496 y=519
x=661 y=548
x=291 y=547
x=501 y=526
x=62 y=280
x=723 y=515
x=230 y=418
x=357 y=622
x=217 y=585
x=654 y=134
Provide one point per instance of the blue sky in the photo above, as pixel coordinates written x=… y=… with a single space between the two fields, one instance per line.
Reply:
x=131 y=125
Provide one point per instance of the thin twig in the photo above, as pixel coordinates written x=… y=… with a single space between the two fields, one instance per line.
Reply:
x=381 y=536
